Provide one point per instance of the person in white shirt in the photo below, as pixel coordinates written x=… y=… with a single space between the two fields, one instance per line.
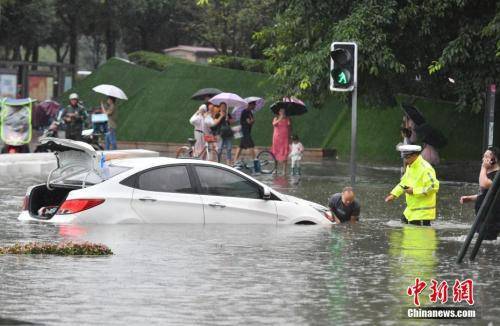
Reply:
x=296 y=151
x=202 y=121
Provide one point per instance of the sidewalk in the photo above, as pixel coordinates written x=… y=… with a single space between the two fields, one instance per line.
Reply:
x=169 y=149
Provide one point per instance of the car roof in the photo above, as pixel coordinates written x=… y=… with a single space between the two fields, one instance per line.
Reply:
x=143 y=162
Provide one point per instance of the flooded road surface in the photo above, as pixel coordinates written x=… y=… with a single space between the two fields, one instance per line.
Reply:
x=250 y=274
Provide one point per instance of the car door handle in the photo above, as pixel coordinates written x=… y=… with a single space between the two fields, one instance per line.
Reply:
x=216 y=205
x=147 y=199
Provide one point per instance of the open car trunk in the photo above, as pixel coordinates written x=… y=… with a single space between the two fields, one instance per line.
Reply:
x=44 y=203
x=78 y=166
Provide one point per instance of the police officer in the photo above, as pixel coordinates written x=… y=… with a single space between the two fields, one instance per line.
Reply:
x=420 y=186
x=74 y=117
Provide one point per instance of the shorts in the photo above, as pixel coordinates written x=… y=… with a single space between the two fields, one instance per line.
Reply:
x=246 y=142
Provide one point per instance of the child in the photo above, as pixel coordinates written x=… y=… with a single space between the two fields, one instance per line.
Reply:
x=296 y=150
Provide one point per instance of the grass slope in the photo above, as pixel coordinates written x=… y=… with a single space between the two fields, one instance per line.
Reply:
x=159 y=108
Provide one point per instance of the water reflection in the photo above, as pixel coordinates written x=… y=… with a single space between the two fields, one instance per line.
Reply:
x=247 y=275
x=412 y=251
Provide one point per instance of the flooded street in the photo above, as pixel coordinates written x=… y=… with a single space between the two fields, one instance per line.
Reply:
x=250 y=274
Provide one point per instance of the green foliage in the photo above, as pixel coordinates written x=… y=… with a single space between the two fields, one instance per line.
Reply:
x=240 y=63
x=152 y=60
x=159 y=108
x=404 y=47
x=60 y=249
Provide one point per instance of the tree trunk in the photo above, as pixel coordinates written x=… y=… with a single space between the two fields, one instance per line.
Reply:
x=16 y=54
x=110 y=30
x=73 y=48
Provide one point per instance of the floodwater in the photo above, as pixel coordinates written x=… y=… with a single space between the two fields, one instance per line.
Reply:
x=250 y=275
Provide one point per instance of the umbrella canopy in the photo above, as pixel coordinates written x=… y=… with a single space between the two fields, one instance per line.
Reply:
x=110 y=90
x=49 y=107
x=45 y=111
x=292 y=106
x=259 y=104
x=413 y=113
x=431 y=136
x=205 y=92
x=230 y=99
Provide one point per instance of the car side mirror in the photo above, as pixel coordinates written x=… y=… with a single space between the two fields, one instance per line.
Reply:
x=266 y=193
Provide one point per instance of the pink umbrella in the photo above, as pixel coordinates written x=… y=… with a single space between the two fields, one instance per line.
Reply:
x=259 y=104
x=231 y=100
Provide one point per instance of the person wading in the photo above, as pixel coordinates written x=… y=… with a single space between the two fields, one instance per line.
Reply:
x=420 y=186
x=344 y=207
x=489 y=169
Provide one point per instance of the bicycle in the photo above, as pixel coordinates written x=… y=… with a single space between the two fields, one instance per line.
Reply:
x=188 y=151
x=268 y=163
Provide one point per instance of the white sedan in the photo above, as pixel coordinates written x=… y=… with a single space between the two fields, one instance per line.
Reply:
x=85 y=188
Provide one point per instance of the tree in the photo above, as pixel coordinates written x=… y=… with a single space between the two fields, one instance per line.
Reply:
x=228 y=25
x=404 y=47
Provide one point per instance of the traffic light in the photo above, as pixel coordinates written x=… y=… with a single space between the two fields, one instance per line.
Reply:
x=343 y=66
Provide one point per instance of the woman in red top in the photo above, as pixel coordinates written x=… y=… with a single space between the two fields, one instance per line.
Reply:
x=281 y=139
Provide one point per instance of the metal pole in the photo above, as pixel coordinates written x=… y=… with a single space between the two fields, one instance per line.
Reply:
x=354 y=121
x=489 y=117
x=481 y=214
x=490 y=215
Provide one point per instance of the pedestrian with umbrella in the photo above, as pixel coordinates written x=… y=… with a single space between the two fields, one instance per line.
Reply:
x=201 y=119
x=110 y=108
x=283 y=128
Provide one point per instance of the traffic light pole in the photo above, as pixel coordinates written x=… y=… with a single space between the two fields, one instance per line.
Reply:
x=354 y=126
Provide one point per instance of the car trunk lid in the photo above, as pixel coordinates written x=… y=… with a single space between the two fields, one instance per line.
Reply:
x=74 y=157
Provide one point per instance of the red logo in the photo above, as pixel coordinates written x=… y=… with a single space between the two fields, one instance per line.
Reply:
x=415 y=290
x=462 y=291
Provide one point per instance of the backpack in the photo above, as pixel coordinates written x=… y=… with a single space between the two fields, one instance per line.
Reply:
x=225 y=130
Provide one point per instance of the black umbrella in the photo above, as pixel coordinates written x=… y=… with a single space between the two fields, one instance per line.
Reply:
x=291 y=105
x=431 y=136
x=205 y=92
x=414 y=114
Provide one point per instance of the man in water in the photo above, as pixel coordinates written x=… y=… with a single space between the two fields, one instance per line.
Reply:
x=420 y=186
x=344 y=207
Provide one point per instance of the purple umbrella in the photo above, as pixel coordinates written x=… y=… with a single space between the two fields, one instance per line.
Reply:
x=49 y=107
x=231 y=100
x=43 y=112
x=259 y=104
x=292 y=106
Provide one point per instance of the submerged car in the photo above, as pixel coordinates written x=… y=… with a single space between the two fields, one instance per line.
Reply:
x=85 y=188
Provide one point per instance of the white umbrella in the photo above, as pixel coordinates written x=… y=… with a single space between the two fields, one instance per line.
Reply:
x=231 y=99
x=259 y=104
x=110 y=90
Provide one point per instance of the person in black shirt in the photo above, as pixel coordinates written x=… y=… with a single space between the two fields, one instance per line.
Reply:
x=344 y=207
x=247 y=120
x=489 y=169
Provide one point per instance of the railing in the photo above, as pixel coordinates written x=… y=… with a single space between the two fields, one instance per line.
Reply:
x=484 y=217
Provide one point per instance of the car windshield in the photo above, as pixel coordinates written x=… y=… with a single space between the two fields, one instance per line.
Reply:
x=77 y=177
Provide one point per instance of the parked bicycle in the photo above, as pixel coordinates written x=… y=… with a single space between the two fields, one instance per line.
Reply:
x=188 y=151
x=267 y=161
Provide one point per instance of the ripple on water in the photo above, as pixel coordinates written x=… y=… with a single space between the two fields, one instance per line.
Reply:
x=228 y=275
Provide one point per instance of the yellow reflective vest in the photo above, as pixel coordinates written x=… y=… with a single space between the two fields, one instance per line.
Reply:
x=421 y=205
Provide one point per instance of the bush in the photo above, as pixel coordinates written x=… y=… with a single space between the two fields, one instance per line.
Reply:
x=240 y=63
x=153 y=60
x=61 y=249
